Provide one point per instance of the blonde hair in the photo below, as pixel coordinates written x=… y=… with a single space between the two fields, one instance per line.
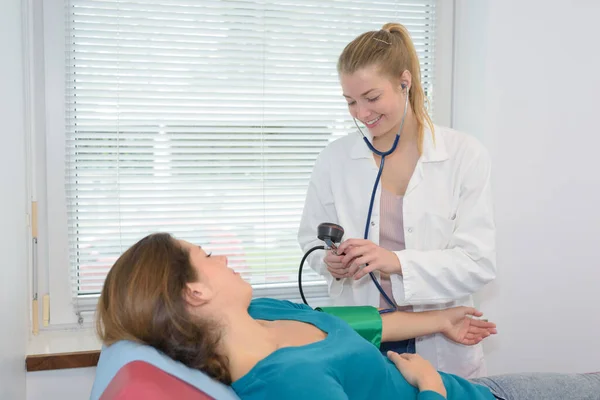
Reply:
x=391 y=49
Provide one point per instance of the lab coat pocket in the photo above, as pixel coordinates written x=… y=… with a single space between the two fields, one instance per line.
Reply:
x=436 y=231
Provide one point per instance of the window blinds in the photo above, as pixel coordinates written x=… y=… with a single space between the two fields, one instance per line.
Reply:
x=203 y=119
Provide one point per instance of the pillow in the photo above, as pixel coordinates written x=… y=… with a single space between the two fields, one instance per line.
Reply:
x=114 y=357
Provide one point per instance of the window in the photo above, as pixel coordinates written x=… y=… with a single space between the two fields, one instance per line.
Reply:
x=202 y=119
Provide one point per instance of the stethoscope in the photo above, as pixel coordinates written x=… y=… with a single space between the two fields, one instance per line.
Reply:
x=381 y=154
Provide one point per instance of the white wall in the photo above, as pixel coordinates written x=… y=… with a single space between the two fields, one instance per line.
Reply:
x=13 y=233
x=71 y=384
x=526 y=83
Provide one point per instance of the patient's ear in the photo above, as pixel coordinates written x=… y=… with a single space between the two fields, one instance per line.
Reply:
x=197 y=294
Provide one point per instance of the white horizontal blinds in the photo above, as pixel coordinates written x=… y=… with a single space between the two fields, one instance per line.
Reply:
x=203 y=119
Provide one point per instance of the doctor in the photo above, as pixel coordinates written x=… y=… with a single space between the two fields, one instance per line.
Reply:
x=431 y=235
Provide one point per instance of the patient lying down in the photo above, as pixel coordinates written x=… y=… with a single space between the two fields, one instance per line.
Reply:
x=171 y=295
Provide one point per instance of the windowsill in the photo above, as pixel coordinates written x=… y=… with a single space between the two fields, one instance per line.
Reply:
x=62 y=349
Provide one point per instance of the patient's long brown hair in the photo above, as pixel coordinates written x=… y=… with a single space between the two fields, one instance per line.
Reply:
x=143 y=301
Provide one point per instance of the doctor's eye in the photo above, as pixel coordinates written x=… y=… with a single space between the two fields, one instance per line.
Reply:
x=351 y=103
x=374 y=99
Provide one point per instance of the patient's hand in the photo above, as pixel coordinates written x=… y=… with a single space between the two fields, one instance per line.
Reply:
x=418 y=372
x=460 y=327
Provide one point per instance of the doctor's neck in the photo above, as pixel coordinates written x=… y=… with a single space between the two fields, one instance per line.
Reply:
x=409 y=136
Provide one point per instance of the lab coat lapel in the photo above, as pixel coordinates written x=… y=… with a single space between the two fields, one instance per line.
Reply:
x=434 y=150
x=416 y=178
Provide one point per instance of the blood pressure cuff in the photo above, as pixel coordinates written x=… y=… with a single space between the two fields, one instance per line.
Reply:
x=365 y=320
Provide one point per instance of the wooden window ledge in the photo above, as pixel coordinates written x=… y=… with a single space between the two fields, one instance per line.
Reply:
x=47 y=362
x=62 y=349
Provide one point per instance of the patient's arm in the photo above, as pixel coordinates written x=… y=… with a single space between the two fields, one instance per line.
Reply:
x=455 y=323
x=420 y=373
x=402 y=325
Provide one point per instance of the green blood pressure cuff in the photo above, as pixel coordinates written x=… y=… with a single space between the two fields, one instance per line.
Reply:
x=365 y=320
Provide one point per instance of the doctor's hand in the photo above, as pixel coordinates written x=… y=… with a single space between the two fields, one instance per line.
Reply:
x=459 y=326
x=362 y=252
x=335 y=266
x=418 y=372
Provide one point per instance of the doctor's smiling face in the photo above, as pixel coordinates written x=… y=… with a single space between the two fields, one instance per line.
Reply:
x=375 y=100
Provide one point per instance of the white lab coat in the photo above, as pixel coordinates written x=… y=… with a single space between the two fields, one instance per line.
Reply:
x=448 y=225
